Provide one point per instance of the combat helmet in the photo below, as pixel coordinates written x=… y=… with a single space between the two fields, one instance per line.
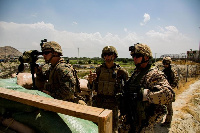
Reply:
x=109 y=49
x=167 y=60
x=53 y=46
x=141 y=49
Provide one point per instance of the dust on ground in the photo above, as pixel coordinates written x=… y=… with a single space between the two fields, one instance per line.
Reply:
x=186 y=118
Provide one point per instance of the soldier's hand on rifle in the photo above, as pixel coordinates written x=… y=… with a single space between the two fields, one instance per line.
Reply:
x=137 y=95
x=140 y=94
x=146 y=94
x=143 y=94
x=38 y=69
x=92 y=77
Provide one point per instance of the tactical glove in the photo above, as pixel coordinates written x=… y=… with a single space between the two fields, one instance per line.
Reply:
x=137 y=95
x=140 y=94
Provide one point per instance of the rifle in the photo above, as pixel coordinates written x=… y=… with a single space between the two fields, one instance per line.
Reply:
x=30 y=57
x=131 y=101
x=128 y=106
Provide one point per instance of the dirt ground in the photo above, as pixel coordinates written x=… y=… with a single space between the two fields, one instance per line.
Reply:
x=186 y=118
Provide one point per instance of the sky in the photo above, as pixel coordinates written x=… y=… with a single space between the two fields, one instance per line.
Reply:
x=166 y=26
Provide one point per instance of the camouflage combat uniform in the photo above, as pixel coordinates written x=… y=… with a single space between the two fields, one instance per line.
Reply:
x=146 y=93
x=108 y=85
x=61 y=81
x=172 y=78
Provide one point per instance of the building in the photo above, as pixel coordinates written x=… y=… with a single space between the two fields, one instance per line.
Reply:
x=193 y=55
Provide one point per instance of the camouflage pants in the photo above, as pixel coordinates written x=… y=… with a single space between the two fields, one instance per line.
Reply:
x=158 y=112
x=169 y=113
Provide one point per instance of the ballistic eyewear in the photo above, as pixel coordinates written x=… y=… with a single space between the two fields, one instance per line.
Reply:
x=107 y=54
x=137 y=55
x=46 y=52
x=165 y=62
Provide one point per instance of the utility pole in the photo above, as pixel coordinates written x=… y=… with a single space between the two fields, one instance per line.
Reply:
x=199 y=50
x=78 y=56
x=78 y=52
x=155 y=57
x=5 y=54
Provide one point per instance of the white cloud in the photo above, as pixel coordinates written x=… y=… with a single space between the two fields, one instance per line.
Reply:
x=125 y=29
x=28 y=36
x=172 y=29
x=168 y=40
x=158 y=19
x=74 y=23
x=146 y=19
x=34 y=15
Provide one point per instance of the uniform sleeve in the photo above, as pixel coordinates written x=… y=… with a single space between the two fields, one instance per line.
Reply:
x=160 y=90
x=40 y=79
x=67 y=83
x=95 y=82
x=174 y=76
x=43 y=75
x=122 y=72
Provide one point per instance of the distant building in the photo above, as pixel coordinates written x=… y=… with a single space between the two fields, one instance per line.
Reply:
x=174 y=56
x=193 y=55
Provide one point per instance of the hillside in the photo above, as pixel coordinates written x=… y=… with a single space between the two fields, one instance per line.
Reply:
x=8 y=51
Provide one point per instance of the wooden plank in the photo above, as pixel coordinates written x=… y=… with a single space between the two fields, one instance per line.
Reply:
x=105 y=122
x=101 y=116
x=81 y=111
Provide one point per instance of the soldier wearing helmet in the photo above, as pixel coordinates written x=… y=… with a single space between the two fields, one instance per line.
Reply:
x=140 y=50
x=107 y=82
x=60 y=81
x=170 y=72
x=167 y=60
x=172 y=78
x=109 y=49
x=51 y=47
x=144 y=93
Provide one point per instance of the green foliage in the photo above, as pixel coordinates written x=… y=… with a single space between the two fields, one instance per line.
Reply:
x=89 y=61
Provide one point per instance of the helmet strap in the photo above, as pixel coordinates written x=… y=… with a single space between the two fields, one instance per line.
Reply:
x=143 y=61
x=51 y=57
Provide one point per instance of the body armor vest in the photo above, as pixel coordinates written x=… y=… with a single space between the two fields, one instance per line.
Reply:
x=108 y=81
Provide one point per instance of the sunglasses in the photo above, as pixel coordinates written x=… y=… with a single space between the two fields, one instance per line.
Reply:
x=46 y=52
x=109 y=54
x=137 y=55
x=165 y=63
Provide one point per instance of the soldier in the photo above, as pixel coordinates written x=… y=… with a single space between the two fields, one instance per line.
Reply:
x=145 y=94
x=172 y=78
x=107 y=82
x=60 y=79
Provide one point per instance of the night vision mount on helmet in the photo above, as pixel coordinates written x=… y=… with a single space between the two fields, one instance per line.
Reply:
x=139 y=48
x=52 y=45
